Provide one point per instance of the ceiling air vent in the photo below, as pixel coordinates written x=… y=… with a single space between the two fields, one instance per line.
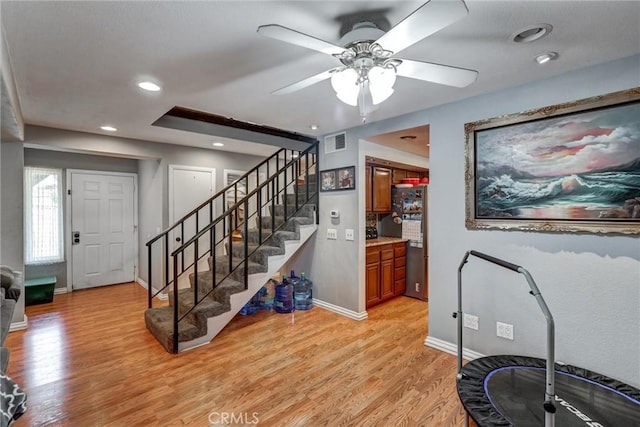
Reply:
x=335 y=142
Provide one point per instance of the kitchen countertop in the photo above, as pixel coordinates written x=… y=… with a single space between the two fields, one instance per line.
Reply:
x=383 y=241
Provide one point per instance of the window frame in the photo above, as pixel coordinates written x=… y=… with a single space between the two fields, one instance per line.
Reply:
x=54 y=203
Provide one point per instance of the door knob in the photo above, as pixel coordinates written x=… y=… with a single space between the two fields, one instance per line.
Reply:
x=178 y=239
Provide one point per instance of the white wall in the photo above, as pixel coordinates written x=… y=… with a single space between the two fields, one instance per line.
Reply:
x=11 y=224
x=591 y=282
x=152 y=164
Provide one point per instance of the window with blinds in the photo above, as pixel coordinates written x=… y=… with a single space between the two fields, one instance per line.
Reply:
x=44 y=242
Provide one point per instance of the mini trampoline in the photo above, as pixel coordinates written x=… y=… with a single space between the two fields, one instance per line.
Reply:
x=523 y=391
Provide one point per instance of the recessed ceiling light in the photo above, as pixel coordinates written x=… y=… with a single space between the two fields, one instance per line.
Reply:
x=314 y=127
x=218 y=144
x=531 y=33
x=150 y=86
x=108 y=128
x=295 y=155
x=546 y=57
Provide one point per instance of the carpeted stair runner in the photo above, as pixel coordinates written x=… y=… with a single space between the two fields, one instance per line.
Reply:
x=159 y=320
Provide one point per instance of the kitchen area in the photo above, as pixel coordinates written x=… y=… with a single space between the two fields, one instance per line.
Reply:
x=396 y=231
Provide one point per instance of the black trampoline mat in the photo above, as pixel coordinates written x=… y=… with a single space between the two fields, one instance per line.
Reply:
x=517 y=392
x=508 y=390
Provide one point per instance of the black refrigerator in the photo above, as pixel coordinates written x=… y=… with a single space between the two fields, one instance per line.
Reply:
x=408 y=220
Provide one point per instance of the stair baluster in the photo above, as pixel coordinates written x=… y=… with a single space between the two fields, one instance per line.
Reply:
x=214 y=297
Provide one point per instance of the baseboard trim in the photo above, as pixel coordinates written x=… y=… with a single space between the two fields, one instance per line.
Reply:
x=161 y=297
x=57 y=291
x=18 y=326
x=451 y=348
x=341 y=310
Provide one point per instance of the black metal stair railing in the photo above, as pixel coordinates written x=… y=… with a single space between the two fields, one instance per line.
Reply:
x=288 y=178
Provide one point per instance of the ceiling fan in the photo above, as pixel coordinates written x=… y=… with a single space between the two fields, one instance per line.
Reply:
x=369 y=68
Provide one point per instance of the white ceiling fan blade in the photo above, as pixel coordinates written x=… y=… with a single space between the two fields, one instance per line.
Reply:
x=288 y=35
x=424 y=21
x=305 y=83
x=436 y=73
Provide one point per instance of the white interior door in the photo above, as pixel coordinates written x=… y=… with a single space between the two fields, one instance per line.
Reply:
x=188 y=188
x=230 y=176
x=102 y=227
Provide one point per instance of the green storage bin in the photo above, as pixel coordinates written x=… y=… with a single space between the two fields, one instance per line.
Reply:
x=39 y=290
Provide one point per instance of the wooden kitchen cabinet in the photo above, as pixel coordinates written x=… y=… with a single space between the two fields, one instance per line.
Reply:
x=400 y=174
x=385 y=272
x=372 y=276
x=380 y=189
x=400 y=268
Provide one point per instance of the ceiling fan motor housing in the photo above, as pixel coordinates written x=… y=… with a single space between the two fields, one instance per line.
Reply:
x=363 y=32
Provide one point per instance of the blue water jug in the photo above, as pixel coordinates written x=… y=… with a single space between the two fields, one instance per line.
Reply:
x=284 y=297
x=251 y=307
x=303 y=293
x=293 y=279
x=266 y=295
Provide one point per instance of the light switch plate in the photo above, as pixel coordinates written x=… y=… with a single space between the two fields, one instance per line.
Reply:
x=349 y=234
x=332 y=233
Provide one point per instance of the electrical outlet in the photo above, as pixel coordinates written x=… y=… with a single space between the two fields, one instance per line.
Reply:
x=332 y=233
x=417 y=287
x=348 y=234
x=504 y=330
x=470 y=321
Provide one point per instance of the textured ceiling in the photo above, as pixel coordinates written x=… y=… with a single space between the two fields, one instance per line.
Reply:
x=76 y=63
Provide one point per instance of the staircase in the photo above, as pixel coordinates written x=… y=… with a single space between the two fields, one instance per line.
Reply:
x=224 y=260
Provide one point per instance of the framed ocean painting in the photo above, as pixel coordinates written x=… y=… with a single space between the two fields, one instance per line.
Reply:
x=572 y=167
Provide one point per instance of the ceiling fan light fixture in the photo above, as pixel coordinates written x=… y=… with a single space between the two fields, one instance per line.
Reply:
x=349 y=98
x=384 y=77
x=345 y=83
x=365 y=100
x=381 y=81
x=368 y=71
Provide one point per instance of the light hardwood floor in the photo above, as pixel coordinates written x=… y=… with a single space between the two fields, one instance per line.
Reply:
x=88 y=360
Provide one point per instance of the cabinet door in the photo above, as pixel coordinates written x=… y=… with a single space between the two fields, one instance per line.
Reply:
x=386 y=272
x=399 y=175
x=368 y=189
x=386 y=279
x=400 y=268
x=372 y=273
x=381 y=200
x=400 y=279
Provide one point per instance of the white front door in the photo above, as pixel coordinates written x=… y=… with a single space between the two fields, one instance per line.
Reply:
x=189 y=187
x=102 y=227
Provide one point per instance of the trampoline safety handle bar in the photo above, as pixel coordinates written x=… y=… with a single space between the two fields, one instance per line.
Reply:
x=549 y=406
x=496 y=261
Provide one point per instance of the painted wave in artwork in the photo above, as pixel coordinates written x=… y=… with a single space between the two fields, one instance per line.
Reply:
x=511 y=194
x=577 y=166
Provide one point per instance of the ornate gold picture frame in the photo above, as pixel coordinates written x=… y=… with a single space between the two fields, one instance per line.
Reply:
x=572 y=167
